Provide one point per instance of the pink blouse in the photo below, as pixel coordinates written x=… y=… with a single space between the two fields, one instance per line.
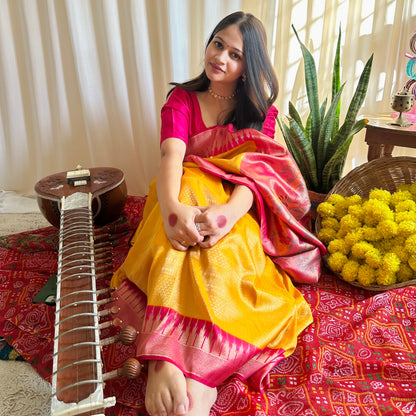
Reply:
x=182 y=118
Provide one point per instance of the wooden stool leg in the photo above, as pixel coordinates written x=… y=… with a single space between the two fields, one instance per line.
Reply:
x=388 y=150
x=374 y=151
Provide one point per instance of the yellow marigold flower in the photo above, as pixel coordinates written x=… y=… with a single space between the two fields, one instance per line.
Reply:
x=400 y=196
x=400 y=252
x=356 y=211
x=408 y=205
x=373 y=257
x=406 y=228
x=340 y=210
x=350 y=270
x=349 y=223
x=405 y=273
x=338 y=245
x=399 y=240
x=336 y=261
x=390 y=263
x=371 y=234
x=326 y=235
x=335 y=199
x=403 y=187
x=384 y=245
x=360 y=249
x=410 y=244
x=325 y=209
x=387 y=229
x=381 y=195
x=376 y=211
x=330 y=222
x=353 y=200
x=412 y=262
x=412 y=189
x=366 y=275
x=354 y=237
x=405 y=216
x=384 y=278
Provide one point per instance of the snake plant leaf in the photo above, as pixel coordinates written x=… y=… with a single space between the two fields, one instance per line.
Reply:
x=293 y=149
x=333 y=168
x=306 y=155
x=301 y=148
x=358 y=126
x=295 y=115
x=336 y=82
x=323 y=109
x=311 y=82
x=355 y=105
x=326 y=131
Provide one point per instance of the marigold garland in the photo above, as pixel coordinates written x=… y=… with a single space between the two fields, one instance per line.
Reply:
x=371 y=240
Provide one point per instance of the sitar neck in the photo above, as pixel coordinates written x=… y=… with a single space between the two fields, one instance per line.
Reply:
x=77 y=380
x=73 y=201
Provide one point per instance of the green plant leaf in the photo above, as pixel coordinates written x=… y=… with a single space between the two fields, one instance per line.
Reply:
x=311 y=82
x=323 y=109
x=354 y=107
x=333 y=169
x=336 y=74
x=295 y=115
x=326 y=131
x=300 y=147
x=294 y=150
x=336 y=82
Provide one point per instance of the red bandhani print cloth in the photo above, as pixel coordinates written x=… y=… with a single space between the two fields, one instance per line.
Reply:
x=357 y=358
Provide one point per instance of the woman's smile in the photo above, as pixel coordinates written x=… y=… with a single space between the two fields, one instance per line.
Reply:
x=216 y=68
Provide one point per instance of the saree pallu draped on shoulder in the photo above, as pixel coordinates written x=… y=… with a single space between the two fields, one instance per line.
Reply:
x=231 y=309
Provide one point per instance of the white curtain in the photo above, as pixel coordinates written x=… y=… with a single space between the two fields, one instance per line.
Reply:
x=83 y=81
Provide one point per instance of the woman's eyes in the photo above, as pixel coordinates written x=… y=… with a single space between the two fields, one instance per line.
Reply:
x=220 y=45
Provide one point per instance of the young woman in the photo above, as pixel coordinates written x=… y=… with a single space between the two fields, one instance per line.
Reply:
x=207 y=281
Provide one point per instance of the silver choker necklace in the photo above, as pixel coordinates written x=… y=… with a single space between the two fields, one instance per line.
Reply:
x=221 y=97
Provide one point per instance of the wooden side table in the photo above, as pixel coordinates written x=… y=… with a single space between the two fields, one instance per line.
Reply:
x=381 y=137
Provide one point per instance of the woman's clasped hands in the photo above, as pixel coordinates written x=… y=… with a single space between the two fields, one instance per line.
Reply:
x=188 y=226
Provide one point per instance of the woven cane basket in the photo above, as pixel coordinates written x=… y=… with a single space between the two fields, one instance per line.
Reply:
x=384 y=173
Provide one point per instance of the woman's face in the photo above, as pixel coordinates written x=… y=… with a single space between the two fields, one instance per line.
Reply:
x=224 y=56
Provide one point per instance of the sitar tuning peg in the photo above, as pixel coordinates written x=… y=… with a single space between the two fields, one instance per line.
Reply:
x=131 y=369
x=105 y=291
x=113 y=310
x=108 y=324
x=127 y=336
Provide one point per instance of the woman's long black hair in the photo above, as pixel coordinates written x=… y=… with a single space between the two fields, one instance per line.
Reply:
x=259 y=91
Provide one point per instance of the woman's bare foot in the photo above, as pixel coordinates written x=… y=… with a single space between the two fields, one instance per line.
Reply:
x=166 y=391
x=201 y=398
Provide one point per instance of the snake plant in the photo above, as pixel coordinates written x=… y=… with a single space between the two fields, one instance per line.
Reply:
x=320 y=147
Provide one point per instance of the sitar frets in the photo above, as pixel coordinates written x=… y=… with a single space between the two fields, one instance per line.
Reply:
x=66 y=200
x=77 y=374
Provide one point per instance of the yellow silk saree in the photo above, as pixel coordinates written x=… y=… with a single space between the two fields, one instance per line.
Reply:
x=231 y=309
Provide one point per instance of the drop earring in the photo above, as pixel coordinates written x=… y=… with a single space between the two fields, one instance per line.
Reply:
x=244 y=77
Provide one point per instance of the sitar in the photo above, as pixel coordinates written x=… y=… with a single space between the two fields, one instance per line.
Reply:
x=75 y=201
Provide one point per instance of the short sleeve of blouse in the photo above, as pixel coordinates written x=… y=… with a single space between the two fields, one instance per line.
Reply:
x=176 y=115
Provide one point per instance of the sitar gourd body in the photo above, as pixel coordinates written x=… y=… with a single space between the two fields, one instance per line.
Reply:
x=106 y=185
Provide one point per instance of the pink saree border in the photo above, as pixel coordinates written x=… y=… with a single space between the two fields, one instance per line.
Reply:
x=200 y=348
